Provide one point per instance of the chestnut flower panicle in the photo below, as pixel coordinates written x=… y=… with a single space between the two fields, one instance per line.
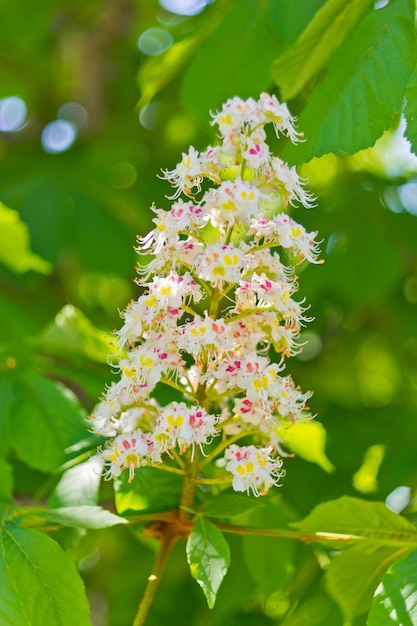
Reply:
x=217 y=294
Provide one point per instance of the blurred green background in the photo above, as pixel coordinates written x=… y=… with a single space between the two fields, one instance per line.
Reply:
x=92 y=105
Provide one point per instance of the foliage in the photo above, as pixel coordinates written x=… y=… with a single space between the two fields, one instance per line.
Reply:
x=325 y=550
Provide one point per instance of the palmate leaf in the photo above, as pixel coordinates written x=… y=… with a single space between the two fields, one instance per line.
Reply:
x=208 y=556
x=363 y=88
x=39 y=584
x=317 y=44
x=395 y=600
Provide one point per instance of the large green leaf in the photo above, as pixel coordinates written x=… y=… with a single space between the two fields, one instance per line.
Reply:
x=364 y=87
x=82 y=516
x=44 y=419
x=317 y=44
x=15 y=250
x=352 y=516
x=39 y=584
x=395 y=600
x=234 y=61
x=410 y=111
x=352 y=577
x=288 y=23
x=208 y=556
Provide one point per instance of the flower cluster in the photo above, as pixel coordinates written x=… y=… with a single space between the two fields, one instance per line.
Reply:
x=217 y=294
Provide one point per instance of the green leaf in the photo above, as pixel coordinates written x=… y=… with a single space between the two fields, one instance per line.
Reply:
x=78 y=485
x=155 y=73
x=45 y=418
x=83 y=516
x=270 y=560
x=317 y=44
x=72 y=332
x=6 y=403
x=353 y=516
x=208 y=556
x=234 y=61
x=410 y=111
x=15 y=250
x=308 y=441
x=229 y=505
x=363 y=88
x=288 y=23
x=151 y=491
x=7 y=482
x=39 y=584
x=395 y=600
x=352 y=577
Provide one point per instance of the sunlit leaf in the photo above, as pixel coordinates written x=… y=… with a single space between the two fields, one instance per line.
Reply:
x=364 y=87
x=72 y=331
x=352 y=577
x=353 y=516
x=83 y=516
x=395 y=600
x=308 y=441
x=78 y=485
x=208 y=556
x=151 y=490
x=15 y=250
x=317 y=44
x=39 y=583
x=410 y=111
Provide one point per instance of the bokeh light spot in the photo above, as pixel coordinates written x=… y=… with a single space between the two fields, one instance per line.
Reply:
x=180 y=130
x=408 y=196
x=122 y=175
x=13 y=112
x=155 y=41
x=74 y=113
x=398 y=499
x=184 y=7
x=58 y=136
x=149 y=115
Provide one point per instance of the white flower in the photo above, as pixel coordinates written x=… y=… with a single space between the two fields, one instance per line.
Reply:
x=253 y=468
x=187 y=174
x=220 y=264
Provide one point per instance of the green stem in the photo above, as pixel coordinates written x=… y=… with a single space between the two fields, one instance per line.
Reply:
x=189 y=487
x=168 y=468
x=166 y=544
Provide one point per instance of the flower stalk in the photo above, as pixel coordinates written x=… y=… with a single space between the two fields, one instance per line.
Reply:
x=217 y=303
